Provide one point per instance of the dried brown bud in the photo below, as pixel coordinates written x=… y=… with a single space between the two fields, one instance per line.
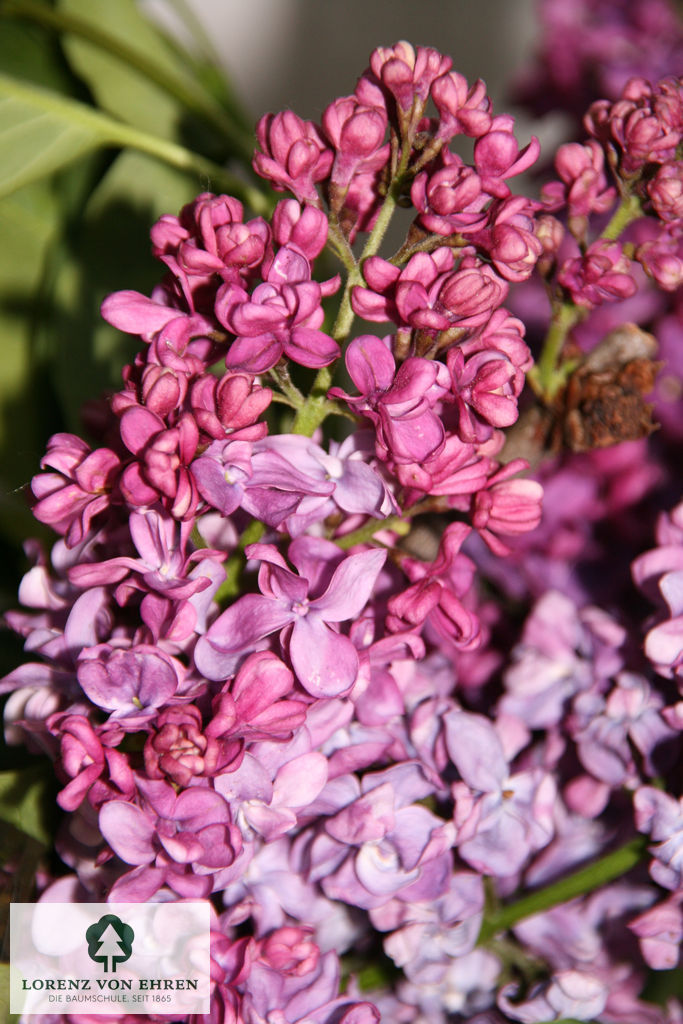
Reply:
x=603 y=402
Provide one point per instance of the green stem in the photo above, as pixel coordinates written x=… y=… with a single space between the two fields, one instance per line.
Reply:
x=183 y=90
x=580 y=883
x=317 y=407
x=365 y=533
x=628 y=210
x=547 y=377
x=280 y=375
x=342 y=325
x=337 y=242
x=397 y=524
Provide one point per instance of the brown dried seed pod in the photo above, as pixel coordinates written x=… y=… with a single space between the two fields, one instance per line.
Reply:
x=604 y=400
x=601 y=404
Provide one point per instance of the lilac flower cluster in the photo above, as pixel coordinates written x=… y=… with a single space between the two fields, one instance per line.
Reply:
x=259 y=689
x=637 y=138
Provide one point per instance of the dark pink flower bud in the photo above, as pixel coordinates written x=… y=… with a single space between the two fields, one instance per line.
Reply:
x=510 y=239
x=486 y=388
x=280 y=316
x=470 y=295
x=503 y=333
x=437 y=591
x=357 y=134
x=78 y=490
x=462 y=109
x=603 y=274
x=497 y=156
x=294 y=156
x=164 y=456
x=583 y=186
x=662 y=259
x=646 y=123
x=207 y=214
x=181 y=751
x=210 y=238
x=666 y=191
x=230 y=406
x=399 y=404
x=408 y=73
x=162 y=389
x=94 y=769
x=507 y=507
x=456 y=469
x=450 y=199
x=304 y=226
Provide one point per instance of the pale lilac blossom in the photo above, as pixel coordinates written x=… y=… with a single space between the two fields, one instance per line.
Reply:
x=324 y=660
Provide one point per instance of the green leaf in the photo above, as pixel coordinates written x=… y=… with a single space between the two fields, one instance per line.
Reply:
x=11 y=1018
x=30 y=218
x=26 y=798
x=32 y=54
x=41 y=132
x=111 y=251
x=135 y=74
x=118 y=87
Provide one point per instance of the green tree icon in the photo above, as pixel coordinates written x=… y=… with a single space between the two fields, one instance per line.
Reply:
x=110 y=941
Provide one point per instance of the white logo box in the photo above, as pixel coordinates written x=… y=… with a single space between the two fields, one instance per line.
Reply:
x=106 y=958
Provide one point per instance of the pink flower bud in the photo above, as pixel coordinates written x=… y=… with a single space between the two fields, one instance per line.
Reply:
x=162 y=390
x=646 y=123
x=583 y=185
x=507 y=507
x=449 y=199
x=471 y=294
x=666 y=191
x=408 y=73
x=303 y=226
x=294 y=156
x=229 y=405
x=181 y=751
x=497 y=156
x=510 y=239
x=78 y=489
x=290 y=951
x=357 y=134
x=661 y=259
x=601 y=275
x=462 y=110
